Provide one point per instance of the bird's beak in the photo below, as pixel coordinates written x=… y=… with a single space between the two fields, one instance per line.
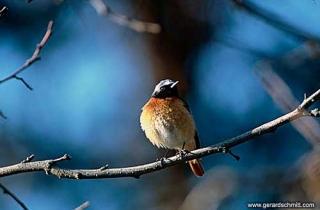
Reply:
x=174 y=84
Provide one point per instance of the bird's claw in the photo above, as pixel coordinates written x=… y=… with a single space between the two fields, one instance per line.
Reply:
x=182 y=153
x=161 y=159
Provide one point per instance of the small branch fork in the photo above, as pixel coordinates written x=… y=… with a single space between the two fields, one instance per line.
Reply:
x=31 y=60
x=50 y=166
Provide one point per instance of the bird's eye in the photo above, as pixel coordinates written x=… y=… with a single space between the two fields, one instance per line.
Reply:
x=162 y=88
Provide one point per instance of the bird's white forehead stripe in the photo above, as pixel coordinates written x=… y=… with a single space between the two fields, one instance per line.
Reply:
x=163 y=83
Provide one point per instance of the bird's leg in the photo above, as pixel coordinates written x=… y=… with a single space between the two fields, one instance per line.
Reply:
x=165 y=156
x=182 y=152
x=184 y=143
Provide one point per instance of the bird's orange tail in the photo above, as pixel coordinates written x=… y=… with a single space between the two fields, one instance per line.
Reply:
x=196 y=167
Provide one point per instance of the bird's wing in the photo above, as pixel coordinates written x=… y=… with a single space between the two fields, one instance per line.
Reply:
x=196 y=137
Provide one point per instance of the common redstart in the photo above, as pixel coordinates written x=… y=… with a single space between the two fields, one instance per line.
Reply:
x=167 y=122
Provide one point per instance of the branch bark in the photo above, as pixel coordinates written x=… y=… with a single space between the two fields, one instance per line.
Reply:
x=31 y=60
x=83 y=206
x=50 y=166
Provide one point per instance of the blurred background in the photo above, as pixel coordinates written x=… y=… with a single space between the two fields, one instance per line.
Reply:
x=239 y=63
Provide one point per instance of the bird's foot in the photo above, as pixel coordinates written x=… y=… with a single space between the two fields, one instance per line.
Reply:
x=161 y=159
x=182 y=153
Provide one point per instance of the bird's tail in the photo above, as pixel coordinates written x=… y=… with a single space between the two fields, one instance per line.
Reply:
x=196 y=167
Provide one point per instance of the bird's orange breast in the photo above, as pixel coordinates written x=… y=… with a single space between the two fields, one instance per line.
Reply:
x=167 y=123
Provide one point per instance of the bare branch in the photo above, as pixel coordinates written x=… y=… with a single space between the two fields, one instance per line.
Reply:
x=83 y=206
x=23 y=81
x=8 y=192
x=50 y=167
x=2 y=115
x=3 y=10
x=284 y=98
x=137 y=25
x=30 y=61
x=273 y=20
x=315 y=113
x=28 y=159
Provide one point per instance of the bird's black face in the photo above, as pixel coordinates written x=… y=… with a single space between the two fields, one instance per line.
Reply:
x=165 y=88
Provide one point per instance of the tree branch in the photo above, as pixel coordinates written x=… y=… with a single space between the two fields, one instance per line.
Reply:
x=50 y=167
x=2 y=115
x=136 y=25
x=3 y=10
x=274 y=20
x=281 y=94
x=31 y=60
x=83 y=206
x=8 y=192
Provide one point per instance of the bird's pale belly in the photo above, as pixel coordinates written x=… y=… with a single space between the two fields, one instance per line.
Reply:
x=170 y=136
x=169 y=126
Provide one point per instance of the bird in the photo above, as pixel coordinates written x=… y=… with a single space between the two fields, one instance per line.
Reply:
x=167 y=122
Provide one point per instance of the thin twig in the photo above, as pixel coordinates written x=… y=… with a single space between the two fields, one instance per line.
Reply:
x=23 y=81
x=274 y=20
x=2 y=115
x=28 y=159
x=50 y=167
x=83 y=206
x=30 y=61
x=137 y=25
x=284 y=98
x=8 y=192
x=3 y=10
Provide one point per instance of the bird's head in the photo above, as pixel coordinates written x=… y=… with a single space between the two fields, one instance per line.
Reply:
x=165 y=88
